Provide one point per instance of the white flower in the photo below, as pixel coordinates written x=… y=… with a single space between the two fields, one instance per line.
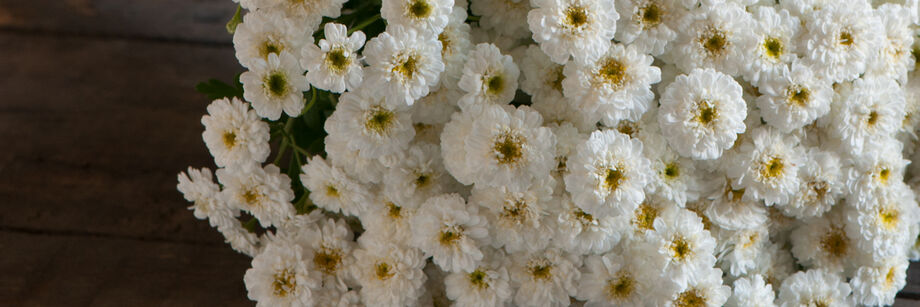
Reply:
x=822 y=185
x=334 y=65
x=542 y=78
x=871 y=113
x=814 y=288
x=704 y=288
x=894 y=56
x=582 y=233
x=674 y=178
x=453 y=145
x=578 y=28
x=793 y=98
x=738 y=250
x=239 y=238
x=824 y=243
x=274 y=85
x=607 y=174
x=389 y=275
x=450 y=231
x=279 y=276
x=455 y=44
x=504 y=17
x=679 y=246
x=882 y=229
x=436 y=108
x=734 y=209
x=613 y=279
x=518 y=219
x=840 y=39
x=488 y=77
x=487 y=285
x=702 y=113
x=616 y=86
x=309 y=12
x=328 y=251
x=234 y=134
x=873 y=171
x=262 y=33
x=424 y=15
x=713 y=37
x=545 y=278
x=404 y=63
x=198 y=187
x=751 y=291
x=774 y=43
x=371 y=125
x=263 y=192
x=877 y=284
x=648 y=24
x=769 y=166
x=508 y=146
x=331 y=189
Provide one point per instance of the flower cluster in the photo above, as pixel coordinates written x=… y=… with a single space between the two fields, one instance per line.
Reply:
x=545 y=152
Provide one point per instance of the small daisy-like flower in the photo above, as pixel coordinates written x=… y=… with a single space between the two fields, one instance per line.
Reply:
x=738 y=250
x=714 y=37
x=234 y=134
x=503 y=17
x=488 y=77
x=239 y=238
x=453 y=145
x=545 y=278
x=279 y=276
x=404 y=63
x=641 y=222
x=424 y=15
x=877 y=284
x=793 y=98
x=198 y=187
x=871 y=113
x=607 y=174
x=418 y=176
x=814 y=288
x=675 y=178
x=679 y=246
x=751 y=291
x=487 y=285
x=883 y=228
x=840 y=39
x=542 y=78
x=310 y=13
x=578 y=28
x=274 y=85
x=518 y=220
x=450 y=231
x=612 y=279
x=371 y=125
x=734 y=209
x=824 y=243
x=704 y=288
x=702 y=113
x=327 y=251
x=455 y=45
x=616 y=86
x=582 y=233
x=389 y=275
x=769 y=166
x=334 y=65
x=894 y=57
x=263 y=192
x=773 y=46
x=875 y=171
x=331 y=189
x=648 y=24
x=822 y=179
x=508 y=147
x=262 y=33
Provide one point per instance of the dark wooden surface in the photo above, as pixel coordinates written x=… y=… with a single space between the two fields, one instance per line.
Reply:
x=97 y=115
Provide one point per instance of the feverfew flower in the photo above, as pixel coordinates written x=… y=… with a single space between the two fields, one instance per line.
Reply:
x=582 y=233
x=824 y=243
x=504 y=18
x=371 y=125
x=702 y=113
x=751 y=291
x=704 y=288
x=274 y=85
x=423 y=15
x=616 y=86
x=488 y=285
x=263 y=192
x=822 y=184
x=578 y=28
x=331 y=189
x=607 y=174
x=488 y=77
x=198 y=187
x=674 y=178
x=793 y=97
x=545 y=278
x=882 y=228
x=334 y=65
x=404 y=63
x=815 y=288
x=650 y=25
x=613 y=279
x=713 y=37
x=279 y=276
x=262 y=33
x=518 y=219
x=389 y=275
x=328 y=250
x=840 y=39
x=871 y=113
x=679 y=247
x=542 y=78
x=769 y=165
x=877 y=284
x=234 y=134
x=450 y=231
x=894 y=56
x=310 y=12
x=773 y=46
x=455 y=44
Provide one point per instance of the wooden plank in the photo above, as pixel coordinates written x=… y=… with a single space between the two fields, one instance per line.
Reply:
x=95 y=131
x=42 y=270
x=912 y=289
x=192 y=20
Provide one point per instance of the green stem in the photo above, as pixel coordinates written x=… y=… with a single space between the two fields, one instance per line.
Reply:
x=312 y=101
x=364 y=24
x=281 y=150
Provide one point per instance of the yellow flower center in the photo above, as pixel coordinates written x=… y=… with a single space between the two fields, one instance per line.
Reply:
x=798 y=95
x=613 y=177
x=378 y=120
x=690 y=298
x=419 y=9
x=479 y=279
x=284 y=283
x=773 y=47
x=383 y=271
x=327 y=260
x=889 y=217
x=613 y=72
x=707 y=112
x=508 y=148
x=773 y=168
x=576 y=16
x=494 y=84
x=450 y=235
x=651 y=15
x=408 y=67
x=714 y=42
x=337 y=60
x=229 y=139
x=645 y=216
x=845 y=38
x=276 y=84
x=620 y=287
x=835 y=243
x=680 y=248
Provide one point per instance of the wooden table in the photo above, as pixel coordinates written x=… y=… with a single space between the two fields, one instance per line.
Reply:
x=97 y=116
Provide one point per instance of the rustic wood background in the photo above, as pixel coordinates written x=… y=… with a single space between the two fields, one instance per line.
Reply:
x=97 y=115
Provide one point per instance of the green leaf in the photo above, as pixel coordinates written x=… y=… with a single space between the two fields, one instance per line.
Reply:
x=252 y=225
x=236 y=20
x=216 y=89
